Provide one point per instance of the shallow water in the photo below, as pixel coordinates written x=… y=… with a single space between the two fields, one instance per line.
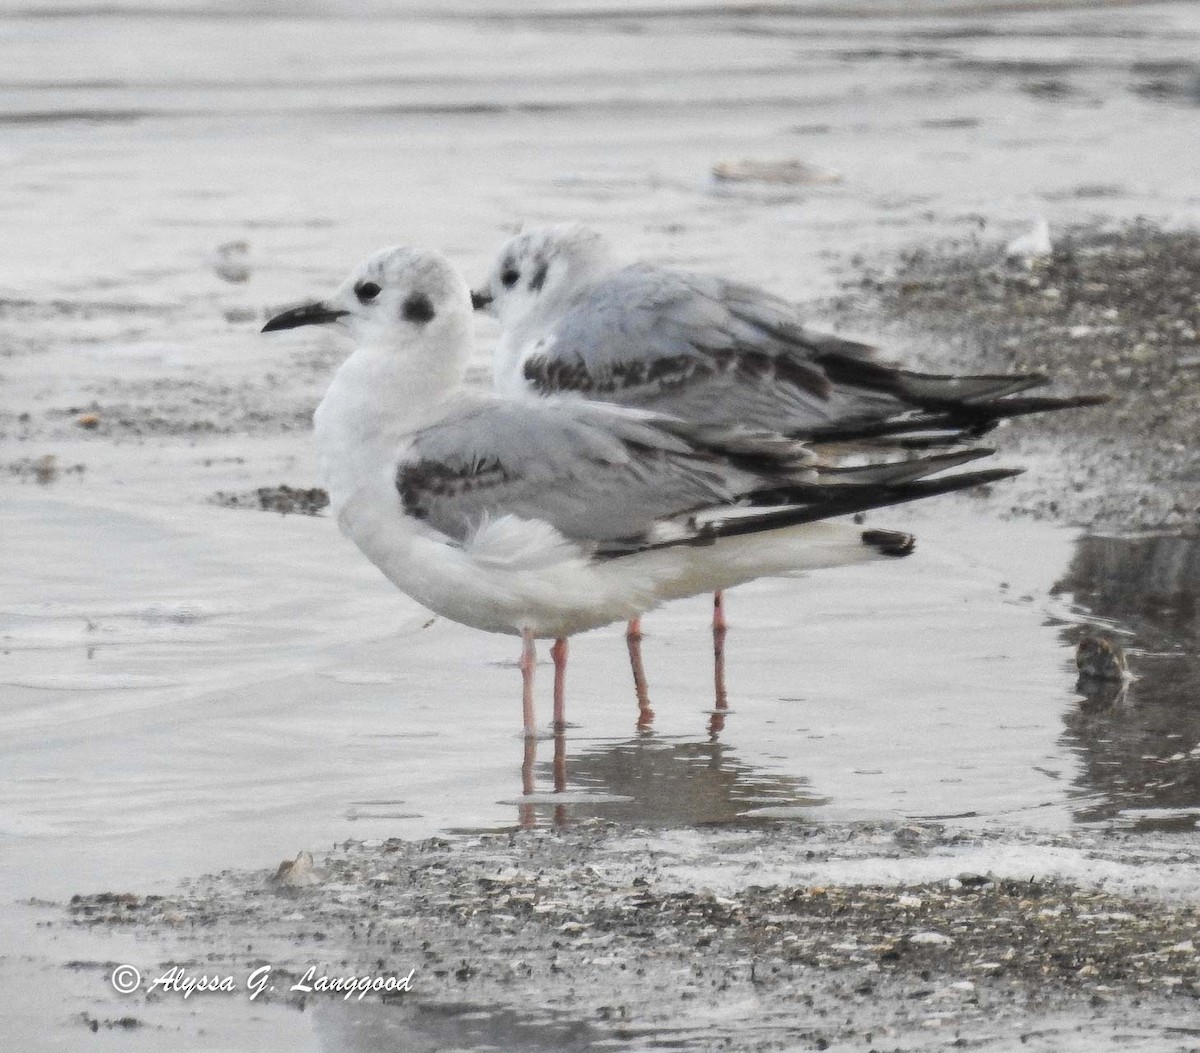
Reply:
x=243 y=673
x=188 y=687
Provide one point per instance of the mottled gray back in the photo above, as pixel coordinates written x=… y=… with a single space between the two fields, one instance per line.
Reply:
x=700 y=348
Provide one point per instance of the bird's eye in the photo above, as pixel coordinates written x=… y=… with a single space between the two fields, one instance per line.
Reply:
x=510 y=278
x=418 y=308
x=366 y=291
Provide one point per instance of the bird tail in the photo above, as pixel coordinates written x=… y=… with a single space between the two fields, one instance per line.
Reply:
x=847 y=501
x=812 y=503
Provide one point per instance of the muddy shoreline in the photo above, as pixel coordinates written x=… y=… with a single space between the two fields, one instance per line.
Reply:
x=630 y=933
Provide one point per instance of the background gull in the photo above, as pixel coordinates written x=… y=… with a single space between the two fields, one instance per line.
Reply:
x=578 y=321
x=547 y=518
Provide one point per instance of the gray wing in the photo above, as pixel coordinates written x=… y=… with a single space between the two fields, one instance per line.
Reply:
x=702 y=348
x=622 y=481
x=597 y=473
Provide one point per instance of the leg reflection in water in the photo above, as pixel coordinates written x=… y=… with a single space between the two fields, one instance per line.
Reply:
x=527 y=811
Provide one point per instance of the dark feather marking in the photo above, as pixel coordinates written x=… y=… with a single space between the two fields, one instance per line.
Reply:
x=424 y=479
x=966 y=420
x=551 y=375
x=539 y=277
x=750 y=363
x=418 y=308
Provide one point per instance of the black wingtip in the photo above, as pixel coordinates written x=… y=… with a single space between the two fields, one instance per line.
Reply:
x=842 y=500
x=952 y=424
x=1093 y=400
x=1025 y=405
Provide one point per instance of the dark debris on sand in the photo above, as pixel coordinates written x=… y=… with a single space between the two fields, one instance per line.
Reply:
x=284 y=499
x=1109 y=310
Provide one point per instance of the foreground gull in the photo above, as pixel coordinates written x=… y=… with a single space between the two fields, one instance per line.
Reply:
x=705 y=349
x=544 y=518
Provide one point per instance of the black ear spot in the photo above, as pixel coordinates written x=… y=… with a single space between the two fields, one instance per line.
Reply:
x=366 y=291
x=539 y=278
x=418 y=308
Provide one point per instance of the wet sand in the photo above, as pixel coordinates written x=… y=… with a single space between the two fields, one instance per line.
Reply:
x=195 y=685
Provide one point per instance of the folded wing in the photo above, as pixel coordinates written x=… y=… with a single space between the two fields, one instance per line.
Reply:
x=618 y=480
x=703 y=348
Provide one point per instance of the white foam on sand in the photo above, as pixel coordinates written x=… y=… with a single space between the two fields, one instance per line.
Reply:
x=1163 y=870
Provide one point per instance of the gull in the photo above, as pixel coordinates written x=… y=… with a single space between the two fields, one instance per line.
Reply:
x=549 y=517
x=577 y=320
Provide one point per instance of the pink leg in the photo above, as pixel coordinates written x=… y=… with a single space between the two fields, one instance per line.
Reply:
x=559 y=653
x=719 y=612
x=528 y=665
x=633 y=640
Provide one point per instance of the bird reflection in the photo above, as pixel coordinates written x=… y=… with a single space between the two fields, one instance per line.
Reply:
x=527 y=812
x=652 y=781
x=1098 y=693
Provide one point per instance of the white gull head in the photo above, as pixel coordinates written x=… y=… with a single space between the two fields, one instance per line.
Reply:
x=536 y=276
x=408 y=314
x=401 y=299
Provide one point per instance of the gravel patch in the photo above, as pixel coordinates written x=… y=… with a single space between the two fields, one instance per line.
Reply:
x=1109 y=310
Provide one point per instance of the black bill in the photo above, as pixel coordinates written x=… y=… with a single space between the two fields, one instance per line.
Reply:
x=306 y=314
